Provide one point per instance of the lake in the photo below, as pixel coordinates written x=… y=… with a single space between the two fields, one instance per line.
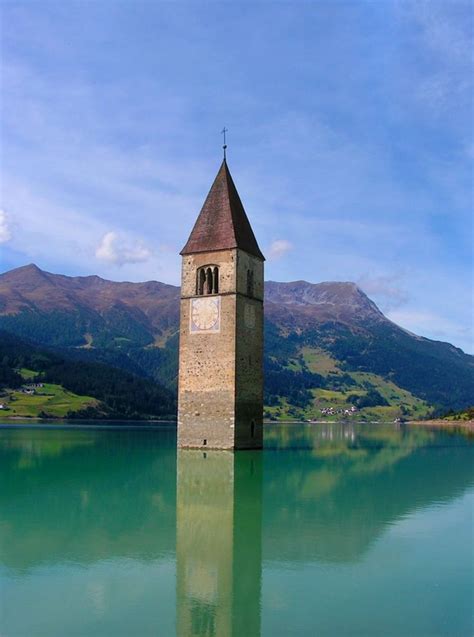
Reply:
x=332 y=530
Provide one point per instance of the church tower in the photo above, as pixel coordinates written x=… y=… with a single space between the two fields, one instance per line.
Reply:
x=220 y=402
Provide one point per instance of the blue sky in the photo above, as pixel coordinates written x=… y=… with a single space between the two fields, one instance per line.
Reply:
x=350 y=141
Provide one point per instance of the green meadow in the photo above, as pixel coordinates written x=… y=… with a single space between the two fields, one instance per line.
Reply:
x=49 y=400
x=400 y=403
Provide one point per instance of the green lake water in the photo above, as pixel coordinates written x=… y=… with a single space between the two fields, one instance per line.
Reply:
x=332 y=530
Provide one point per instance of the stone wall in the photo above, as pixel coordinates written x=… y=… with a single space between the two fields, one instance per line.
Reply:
x=249 y=373
x=206 y=404
x=224 y=259
x=248 y=262
x=220 y=401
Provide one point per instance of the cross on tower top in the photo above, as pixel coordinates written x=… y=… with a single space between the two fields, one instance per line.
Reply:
x=223 y=132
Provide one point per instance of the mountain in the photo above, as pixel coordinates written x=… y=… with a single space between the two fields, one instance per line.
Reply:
x=327 y=345
x=319 y=303
x=88 y=304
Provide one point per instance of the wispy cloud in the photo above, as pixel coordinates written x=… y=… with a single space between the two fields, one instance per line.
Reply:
x=442 y=38
x=445 y=27
x=279 y=249
x=438 y=326
x=115 y=249
x=64 y=239
x=5 y=232
x=386 y=290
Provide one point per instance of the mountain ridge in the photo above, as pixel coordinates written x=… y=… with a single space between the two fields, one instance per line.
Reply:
x=308 y=327
x=345 y=295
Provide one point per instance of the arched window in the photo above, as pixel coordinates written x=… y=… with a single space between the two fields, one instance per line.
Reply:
x=207 y=281
x=201 y=281
x=250 y=283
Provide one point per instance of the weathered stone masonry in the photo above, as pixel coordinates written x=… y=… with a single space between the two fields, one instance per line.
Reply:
x=221 y=334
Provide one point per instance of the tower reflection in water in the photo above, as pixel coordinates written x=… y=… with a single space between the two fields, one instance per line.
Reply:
x=219 y=543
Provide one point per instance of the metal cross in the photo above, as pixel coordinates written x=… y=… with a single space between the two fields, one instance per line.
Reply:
x=223 y=132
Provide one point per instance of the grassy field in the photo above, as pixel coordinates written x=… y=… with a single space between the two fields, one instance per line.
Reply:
x=319 y=361
x=28 y=374
x=53 y=400
x=402 y=404
x=403 y=400
x=467 y=415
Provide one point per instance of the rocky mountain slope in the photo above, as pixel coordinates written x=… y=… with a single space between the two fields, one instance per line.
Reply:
x=328 y=346
x=153 y=307
x=98 y=306
x=319 y=303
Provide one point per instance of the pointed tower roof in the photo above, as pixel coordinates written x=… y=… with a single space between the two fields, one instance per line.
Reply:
x=222 y=223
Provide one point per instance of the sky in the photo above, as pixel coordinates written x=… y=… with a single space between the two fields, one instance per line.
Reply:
x=350 y=140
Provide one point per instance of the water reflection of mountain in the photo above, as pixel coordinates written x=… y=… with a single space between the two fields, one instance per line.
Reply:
x=86 y=495
x=342 y=486
x=89 y=495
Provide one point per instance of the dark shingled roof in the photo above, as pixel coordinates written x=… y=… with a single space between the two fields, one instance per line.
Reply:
x=222 y=223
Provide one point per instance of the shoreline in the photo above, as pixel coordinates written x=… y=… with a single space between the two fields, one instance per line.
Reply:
x=467 y=425
x=79 y=420
x=22 y=421
x=86 y=423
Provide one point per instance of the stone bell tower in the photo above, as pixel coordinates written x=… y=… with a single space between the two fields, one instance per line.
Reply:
x=220 y=402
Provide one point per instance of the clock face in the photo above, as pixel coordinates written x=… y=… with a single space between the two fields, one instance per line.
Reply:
x=205 y=314
x=249 y=316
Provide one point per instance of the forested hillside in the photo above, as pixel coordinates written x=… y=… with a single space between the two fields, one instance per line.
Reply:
x=118 y=394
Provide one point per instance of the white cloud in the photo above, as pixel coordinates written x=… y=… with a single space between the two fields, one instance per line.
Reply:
x=114 y=249
x=5 y=233
x=433 y=325
x=279 y=248
x=61 y=238
x=385 y=289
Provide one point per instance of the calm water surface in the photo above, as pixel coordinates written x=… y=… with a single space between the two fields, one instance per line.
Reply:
x=330 y=531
